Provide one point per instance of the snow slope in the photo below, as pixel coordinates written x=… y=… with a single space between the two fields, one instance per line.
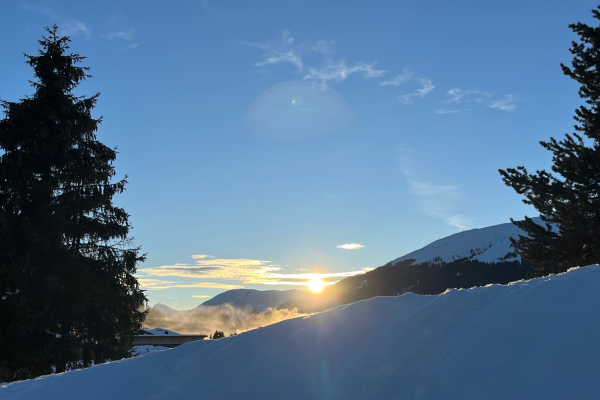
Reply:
x=257 y=300
x=534 y=339
x=489 y=244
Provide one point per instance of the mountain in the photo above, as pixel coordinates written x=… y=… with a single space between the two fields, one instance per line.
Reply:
x=476 y=257
x=168 y=311
x=491 y=244
x=529 y=340
x=257 y=300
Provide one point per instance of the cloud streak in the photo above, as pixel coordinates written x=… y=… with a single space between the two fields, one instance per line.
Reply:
x=436 y=200
x=280 y=51
x=340 y=71
x=286 y=50
x=405 y=76
x=457 y=96
x=157 y=284
x=504 y=104
x=247 y=271
x=350 y=246
x=66 y=26
x=426 y=88
x=120 y=35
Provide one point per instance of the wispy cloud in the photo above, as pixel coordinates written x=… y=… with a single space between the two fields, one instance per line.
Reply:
x=286 y=50
x=446 y=111
x=120 y=35
x=436 y=200
x=125 y=35
x=457 y=95
x=280 y=51
x=66 y=26
x=504 y=104
x=405 y=76
x=324 y=47
x=121 y=30
x=350 y=246
x=276 y=57
x=201 y=296
x=247 y=271
x=426 y=87
x=340 y=71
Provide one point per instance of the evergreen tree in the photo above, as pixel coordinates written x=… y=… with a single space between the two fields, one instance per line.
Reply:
x=65 y=254
x=218 y=335
x=568 y=200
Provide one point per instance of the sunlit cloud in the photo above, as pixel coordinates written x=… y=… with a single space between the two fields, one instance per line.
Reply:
x=350 y=246
x=157 y=284
x=436 y=200
x=426 y=87
x=201 y=296
x=247 y=271
x=201 y=256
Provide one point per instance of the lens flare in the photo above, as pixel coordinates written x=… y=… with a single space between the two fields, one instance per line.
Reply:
x=297 y=110
x=316 y=285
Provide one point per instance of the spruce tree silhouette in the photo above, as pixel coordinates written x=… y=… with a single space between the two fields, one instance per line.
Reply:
x=65 y=254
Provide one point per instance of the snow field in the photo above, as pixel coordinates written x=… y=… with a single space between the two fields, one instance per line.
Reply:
x=536 y=339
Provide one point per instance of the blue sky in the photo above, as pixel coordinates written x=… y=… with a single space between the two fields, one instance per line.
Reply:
x=260 y=136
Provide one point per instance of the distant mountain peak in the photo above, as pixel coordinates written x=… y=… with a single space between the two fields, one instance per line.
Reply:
x=490 y=244
x=168 y=311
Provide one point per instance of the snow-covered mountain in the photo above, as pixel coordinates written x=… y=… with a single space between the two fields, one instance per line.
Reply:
x=491 y=244
x=535 y=339
x=257 y=300
x=168 y=311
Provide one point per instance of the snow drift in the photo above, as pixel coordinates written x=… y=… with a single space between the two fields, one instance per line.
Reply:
x=534 y=339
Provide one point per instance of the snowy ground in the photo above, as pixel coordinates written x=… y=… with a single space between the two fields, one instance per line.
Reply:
x=138 y=351
x=530 y=340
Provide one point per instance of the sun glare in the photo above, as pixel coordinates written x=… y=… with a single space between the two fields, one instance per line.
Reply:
x=316 y=285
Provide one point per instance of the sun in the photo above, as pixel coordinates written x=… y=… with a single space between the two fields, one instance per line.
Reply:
x=316 y=285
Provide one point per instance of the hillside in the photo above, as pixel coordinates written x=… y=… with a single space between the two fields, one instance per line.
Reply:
x=467 y=259
x=528 y=340
x=257 y=300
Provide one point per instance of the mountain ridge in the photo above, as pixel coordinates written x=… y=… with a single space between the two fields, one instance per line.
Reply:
x=256 y=300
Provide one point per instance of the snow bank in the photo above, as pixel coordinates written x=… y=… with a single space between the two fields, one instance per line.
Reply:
x=529 y=340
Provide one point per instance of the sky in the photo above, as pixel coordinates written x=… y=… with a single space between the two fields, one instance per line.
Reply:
x=267 y=143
